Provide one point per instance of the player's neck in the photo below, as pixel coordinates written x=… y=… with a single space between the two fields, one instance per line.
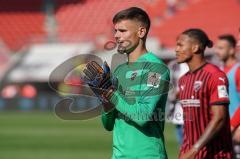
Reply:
x=196 y=63
x=137 y=52
x=230 y=61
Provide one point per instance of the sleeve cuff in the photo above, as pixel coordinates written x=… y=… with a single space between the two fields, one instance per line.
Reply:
x=220 y=103
x=107 y=113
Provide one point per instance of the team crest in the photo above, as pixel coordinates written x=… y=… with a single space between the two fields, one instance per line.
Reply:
x=197 y=85
x=153 y=79
x=134 y=75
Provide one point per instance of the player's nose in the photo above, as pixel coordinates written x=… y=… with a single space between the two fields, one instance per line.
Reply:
x=238 y=44
x=116 y=35
x=176 y=49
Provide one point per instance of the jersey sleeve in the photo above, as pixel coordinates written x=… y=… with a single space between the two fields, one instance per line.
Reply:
x=108 y=118
x=238 y=80
x=235 y=120
x=218 y=89
x=154 y=89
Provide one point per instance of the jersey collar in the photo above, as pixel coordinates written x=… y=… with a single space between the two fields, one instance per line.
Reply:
x=199 y=68
x=142 y=57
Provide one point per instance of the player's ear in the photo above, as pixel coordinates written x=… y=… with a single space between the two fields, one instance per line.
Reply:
x=142 y=32
x=195 y=48
x=232 y=51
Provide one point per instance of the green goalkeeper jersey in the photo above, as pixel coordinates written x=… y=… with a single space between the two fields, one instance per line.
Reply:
x=137 y=120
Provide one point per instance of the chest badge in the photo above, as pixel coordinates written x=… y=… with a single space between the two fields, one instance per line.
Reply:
x=134 y=75
x=153 y=79
x=197 y=85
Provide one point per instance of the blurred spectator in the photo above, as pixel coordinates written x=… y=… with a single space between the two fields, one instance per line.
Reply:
x=174 y=5
x=28 y=91
x=175 y=113
x=171 y=7
x=10 y=91
x=226 y=51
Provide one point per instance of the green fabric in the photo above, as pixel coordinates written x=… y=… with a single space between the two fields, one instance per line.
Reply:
x=138 y=118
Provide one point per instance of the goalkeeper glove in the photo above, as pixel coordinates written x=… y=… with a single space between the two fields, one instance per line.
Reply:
x=99 y=79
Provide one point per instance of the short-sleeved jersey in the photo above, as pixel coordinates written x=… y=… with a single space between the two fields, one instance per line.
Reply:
x=235 y=120
x=199 y=90
x=233 y=74
x=236 y=74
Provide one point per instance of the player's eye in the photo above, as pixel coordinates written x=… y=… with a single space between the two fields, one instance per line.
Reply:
x=122 y=30
x=179 y=44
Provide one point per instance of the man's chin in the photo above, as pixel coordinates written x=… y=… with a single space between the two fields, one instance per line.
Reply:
x=238 y=49
x=121 y=51
x=180 y=61
x=125 y=50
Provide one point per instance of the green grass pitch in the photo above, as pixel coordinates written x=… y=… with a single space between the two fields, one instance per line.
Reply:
x=42 y=135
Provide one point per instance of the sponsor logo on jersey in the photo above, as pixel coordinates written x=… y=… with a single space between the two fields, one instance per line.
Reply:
x=190 y=102
x=222 y=91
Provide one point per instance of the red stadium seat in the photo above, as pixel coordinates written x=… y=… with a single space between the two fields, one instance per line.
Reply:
x=89 y=18
x=77 y=20
x=214 y=17
x=20 y=21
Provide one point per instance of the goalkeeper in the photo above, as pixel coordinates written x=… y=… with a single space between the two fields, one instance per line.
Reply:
x=134 y=95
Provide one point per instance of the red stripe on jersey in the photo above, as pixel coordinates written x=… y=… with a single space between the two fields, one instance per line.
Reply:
x=203 y=86
x=190 y=122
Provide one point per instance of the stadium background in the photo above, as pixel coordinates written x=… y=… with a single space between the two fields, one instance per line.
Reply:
x=38 y=35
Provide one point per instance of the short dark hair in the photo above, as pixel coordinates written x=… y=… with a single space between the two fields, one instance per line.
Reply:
x=200 y=36
x=229 y=38
x=133 y=13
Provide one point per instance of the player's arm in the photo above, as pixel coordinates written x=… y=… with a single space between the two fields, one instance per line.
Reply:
x=108 y=116
x=216 y=124
x=109 y=112
x=142 y=109
x=235 y=120
x=219 y=101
